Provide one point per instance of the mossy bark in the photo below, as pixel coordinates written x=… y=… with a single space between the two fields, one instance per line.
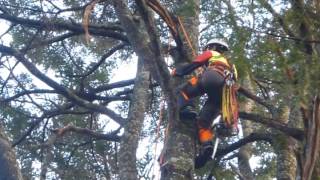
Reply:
x=245 y=152
x=284 y=147
x=179 y=148
x=9 y=169
x=133 y=128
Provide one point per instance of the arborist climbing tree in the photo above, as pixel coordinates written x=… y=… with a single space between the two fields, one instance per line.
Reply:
x=217 y=81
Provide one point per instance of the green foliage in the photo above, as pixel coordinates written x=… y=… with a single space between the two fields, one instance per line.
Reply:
x=14 y=119
x=259 y=47
x=186 y=8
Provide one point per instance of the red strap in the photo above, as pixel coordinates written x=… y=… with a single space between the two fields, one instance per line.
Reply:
x=205 y=56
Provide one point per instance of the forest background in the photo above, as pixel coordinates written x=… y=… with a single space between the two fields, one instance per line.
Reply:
x=63 y=115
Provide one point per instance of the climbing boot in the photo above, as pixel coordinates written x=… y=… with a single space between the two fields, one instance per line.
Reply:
x=188 y=112
x=205 y=137
x=204 y=155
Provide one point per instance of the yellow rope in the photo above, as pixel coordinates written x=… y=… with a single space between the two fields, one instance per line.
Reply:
x=229 y=105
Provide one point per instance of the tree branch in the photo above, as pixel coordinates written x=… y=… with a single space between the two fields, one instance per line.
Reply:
x=48 y=115
x=312 y=140
x=251 y=138
x=102 y=59
x=73 y=27
x=118 y=84
x=50 y=41
x=112 y=136
x=27 y=92
x=294 y=132
x=60 y=89
x=257 y=99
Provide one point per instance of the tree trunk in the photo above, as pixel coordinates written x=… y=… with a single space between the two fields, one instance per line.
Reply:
x=245 y=152
x=179 y=148
x=132 y=130
x=284 y=147
x=9 y=169
x=311 y=148
x=316 y=170
x=286 y=158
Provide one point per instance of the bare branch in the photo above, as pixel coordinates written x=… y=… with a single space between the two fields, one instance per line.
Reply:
x=73 y=27
x=31 y=127
x=28 y=92
x=50 y=41
x=251 y=138
x=102 y=59
x=7 y=31
x=60 y=89
x=294 y=132
x=257 y=99
x=114 y=85
x=112 y=136
x=38 y=120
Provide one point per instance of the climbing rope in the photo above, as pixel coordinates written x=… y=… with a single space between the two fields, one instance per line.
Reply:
x=162 y=12
x=187 y=37
x=229 y=103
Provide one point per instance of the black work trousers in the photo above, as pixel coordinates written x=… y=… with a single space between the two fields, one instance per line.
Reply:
x=211 y=83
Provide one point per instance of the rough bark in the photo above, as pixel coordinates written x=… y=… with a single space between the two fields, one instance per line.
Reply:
x=179 y=149
x=141 y=32
x=9 y=169
x=286 y=159
x=316 y=170
x=245 y=152
x=285 y=149
x=132 y=130
x=312 y=142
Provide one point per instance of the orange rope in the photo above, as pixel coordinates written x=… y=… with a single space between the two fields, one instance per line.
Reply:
x=187 y=37
x=156 y=6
